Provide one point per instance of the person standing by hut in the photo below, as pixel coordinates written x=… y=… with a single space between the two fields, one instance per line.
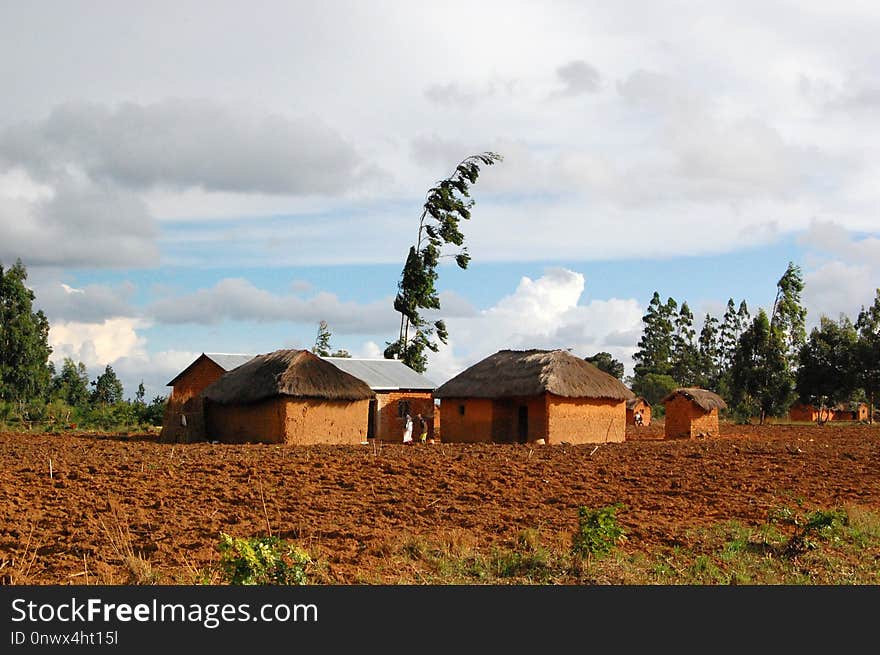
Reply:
x=423 y=429
x=407 y=430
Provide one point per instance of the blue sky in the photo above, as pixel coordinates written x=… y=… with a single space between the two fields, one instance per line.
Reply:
x=170 y=197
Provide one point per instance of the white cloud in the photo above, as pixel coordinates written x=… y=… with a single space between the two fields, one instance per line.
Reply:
x=96 y=344
x=541 y=313
x=578 y=77
x=237 y=299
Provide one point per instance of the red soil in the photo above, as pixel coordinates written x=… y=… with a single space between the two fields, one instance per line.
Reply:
x=350 y=505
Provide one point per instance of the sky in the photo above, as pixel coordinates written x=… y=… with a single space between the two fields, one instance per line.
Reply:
x=188 y=177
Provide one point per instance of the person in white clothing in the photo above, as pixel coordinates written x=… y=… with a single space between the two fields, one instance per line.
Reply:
x=407 y=430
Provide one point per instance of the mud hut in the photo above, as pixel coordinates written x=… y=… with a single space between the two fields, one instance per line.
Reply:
x=532 y=395
x=692 y=412
x=399 y=390
x=638 y=404
x=805 y=412
x=184 y=417
x=287 y=396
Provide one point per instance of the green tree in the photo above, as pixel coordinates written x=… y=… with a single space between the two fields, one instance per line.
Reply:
x=322 y=340
x=446 y=205
x=868 y=352
x=826 y=373
x=24 y=340
x=789 y=315
x=140 y=394
x=605 y=362
x=709 y=354
x=71 y=385
x=761 y=380
x=655 y=345
x=107 y=388
x=341 y=353
x=684 y=363
x=653 y=387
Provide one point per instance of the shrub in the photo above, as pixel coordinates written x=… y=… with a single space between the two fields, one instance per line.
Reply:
x=262 y=561
x=598 y=532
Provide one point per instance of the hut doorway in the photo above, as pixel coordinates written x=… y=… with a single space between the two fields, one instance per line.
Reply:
x=522 y=432
x=371 y=420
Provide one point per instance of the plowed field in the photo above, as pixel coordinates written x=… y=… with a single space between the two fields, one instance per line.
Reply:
x=73 y=506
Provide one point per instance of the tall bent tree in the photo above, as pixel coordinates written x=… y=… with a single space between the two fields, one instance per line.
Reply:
x=446 y=205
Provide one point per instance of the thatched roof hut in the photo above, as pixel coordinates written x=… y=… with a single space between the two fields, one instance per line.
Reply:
x=290 y=396
x=692 y=412
x=640 y=406
x=517 y=373
x=531 y=395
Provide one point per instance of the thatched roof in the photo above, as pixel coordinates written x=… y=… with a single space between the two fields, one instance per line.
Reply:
x=512 y=373
x=295 y=373
x=704 y=398
x=635 y=400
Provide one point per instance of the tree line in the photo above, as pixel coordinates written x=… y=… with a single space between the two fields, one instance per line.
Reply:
x=32 y=391
x=760 y=364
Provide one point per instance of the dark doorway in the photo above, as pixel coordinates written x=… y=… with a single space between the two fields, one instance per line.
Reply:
x=523 y=424
x=371 y=420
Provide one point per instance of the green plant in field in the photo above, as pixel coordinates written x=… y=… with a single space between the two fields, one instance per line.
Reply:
x=598 y=532
x=807 y=527
x=262 y=561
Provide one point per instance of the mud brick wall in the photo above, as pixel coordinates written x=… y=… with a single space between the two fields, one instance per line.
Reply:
x=325 y=421
x=390 y=425
x=505 y=419
x=585 y=420
x=685 y=419
x=258 y=422
x=186 y=388
x=802 y=413
x=474 y=426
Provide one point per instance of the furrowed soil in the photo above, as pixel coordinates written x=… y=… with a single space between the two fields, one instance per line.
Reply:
x=77 y=508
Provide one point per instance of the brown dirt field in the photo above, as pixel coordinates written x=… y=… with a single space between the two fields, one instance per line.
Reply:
x=350 y=504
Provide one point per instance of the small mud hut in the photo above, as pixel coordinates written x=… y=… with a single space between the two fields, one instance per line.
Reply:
x=692 y=412
x=807 y=412
x=287 y=396
x=399 y=391
x=531 y=395
x=636 y=405
x=184 y=414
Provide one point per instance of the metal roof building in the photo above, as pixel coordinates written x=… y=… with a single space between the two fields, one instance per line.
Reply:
x=384 y=374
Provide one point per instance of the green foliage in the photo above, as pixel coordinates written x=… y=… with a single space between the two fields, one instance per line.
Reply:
x=598 y=532
x=685 y=357
x=788 y=315
x=322 y=340
x=654 y=355
x=653 y=387
x=107 y=388
x=761 y=382
x=71 y=385
x=808 y=528
x=446 y=205
x=24 y=340
x=827 y=373
x=708 y=369
x=261 y=561
x=605 y=362
x=867 y=362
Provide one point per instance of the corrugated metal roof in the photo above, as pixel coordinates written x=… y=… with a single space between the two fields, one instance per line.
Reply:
x=383 y=374
x=229 y=361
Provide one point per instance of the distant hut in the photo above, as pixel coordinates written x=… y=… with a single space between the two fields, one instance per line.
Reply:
x=638 y=404
x=862 y=413
x=804 y=412
x=531 y=395
x=184 y=417
x=850 y=412
x=692 y=412
x=399 y=391
x=287 y=396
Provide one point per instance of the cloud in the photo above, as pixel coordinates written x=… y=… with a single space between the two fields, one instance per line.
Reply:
x=844 y=273
x=542 y=313
x=578 y=78
x=464 y=96
x=184 y=143
x=96 y=344
x=78 y=225
x=236 y=299
x=92 y=304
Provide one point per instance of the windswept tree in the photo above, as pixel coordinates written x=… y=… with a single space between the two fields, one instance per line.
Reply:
x=605 y=362
x=446 y=205
x=24 y=339
x=868 y=352
x=826 y=373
